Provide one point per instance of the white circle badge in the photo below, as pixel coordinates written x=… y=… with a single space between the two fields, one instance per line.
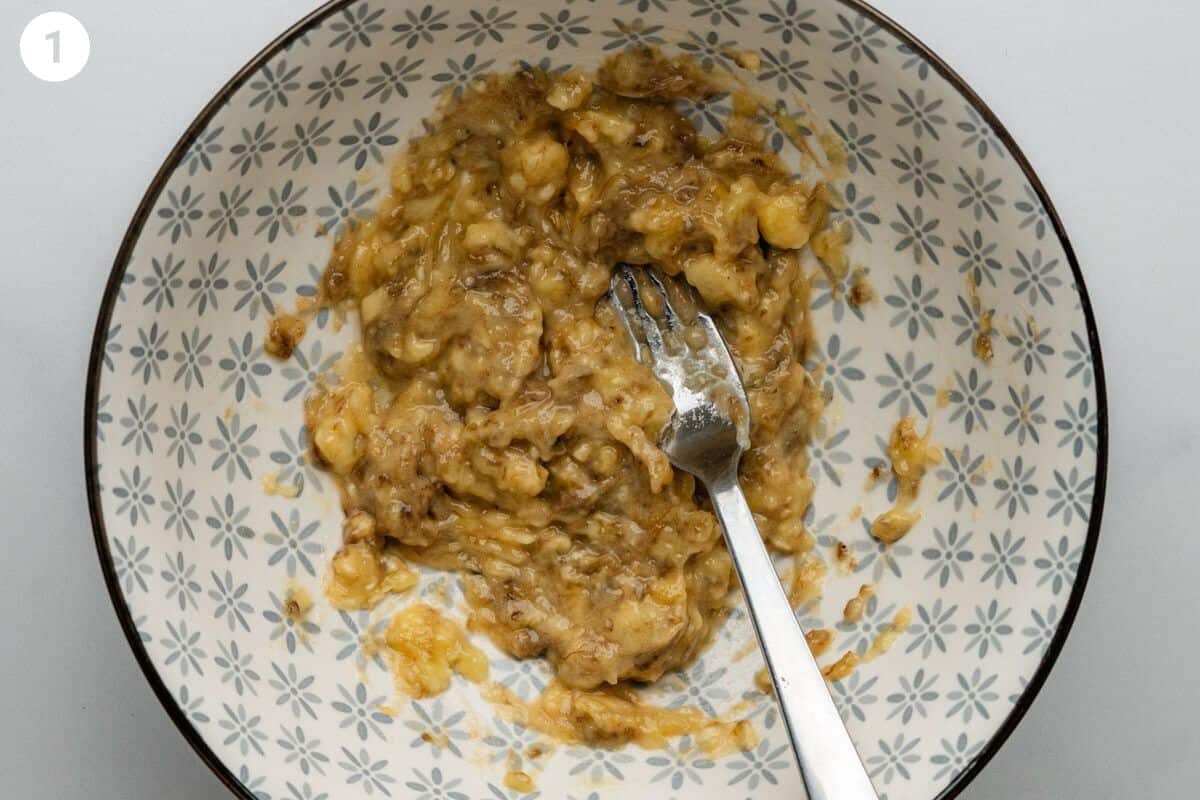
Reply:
x=55 y=46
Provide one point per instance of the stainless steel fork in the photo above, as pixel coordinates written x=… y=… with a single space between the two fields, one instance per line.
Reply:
x=706 y=436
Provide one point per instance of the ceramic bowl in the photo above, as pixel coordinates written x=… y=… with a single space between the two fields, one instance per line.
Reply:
x=186 y=415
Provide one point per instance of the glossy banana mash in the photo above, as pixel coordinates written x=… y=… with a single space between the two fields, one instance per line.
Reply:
x=494 y=420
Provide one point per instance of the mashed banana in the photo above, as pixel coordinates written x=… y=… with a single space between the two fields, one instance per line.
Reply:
x=495 y=421
x=614 y=716
x=426 y=650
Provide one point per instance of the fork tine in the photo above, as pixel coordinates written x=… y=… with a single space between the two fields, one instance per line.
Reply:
x=648 y=325
x=614 y=299
x=669 y=314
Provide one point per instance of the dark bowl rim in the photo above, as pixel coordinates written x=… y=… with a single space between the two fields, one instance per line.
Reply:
x=284 y=40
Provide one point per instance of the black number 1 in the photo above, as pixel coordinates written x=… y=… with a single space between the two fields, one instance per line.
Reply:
x=54 y=36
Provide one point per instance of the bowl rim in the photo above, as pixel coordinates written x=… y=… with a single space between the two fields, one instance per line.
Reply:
x=220 y=98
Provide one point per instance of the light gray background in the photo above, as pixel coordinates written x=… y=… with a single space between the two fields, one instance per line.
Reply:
x=1101 y=96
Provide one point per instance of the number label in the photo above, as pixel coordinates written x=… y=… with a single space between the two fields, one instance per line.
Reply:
x=55 y=46
x=55 y=37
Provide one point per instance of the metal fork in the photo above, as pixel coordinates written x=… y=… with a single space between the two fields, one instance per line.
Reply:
x=706 y=436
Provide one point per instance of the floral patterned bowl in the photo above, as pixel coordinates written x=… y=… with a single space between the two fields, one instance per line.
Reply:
x=186 y=416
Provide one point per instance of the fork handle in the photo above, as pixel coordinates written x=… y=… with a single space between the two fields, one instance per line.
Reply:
x=829 y=765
